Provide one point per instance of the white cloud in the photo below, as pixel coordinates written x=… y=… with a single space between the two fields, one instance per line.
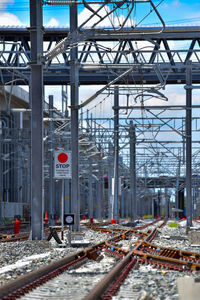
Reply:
x=8 y=19
x=52 y=23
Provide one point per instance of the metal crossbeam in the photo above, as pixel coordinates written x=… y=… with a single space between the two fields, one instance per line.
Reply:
x=98 y=63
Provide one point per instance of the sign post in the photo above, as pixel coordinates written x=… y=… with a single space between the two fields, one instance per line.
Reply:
x=62 y=210
x=69 y=220
x=62 y=170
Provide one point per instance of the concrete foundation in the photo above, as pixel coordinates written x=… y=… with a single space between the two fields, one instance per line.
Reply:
x=194 y=237
x=189 y=288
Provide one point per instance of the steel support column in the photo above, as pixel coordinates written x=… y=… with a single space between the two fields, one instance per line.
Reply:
x=103 y=206
x=177 y=183
x=127 y=197
x=90 y=192
x=122 y=204
x=20 y=155
x=51 y=181
x=189 y=142
x=115 y=212
x=36 y=100
x=133 y=204
x=100 y=198
x=74 y=81
x=166 y=204
x=110 y=174
x=1 y=171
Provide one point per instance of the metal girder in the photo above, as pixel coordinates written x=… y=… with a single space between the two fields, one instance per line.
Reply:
x=165 y=181
x=174 y=33
x=98 y=63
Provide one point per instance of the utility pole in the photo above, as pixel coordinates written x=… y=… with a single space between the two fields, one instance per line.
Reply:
x=67 y=205
x=74 y=82
x=166 y=204
x=1 y=170
x=115 y=212
x=110 y=174
x=177 y=183
x=51 y=181
x=100 y=197
x=189 y=142
x=133 y=207
x=36 y=103
x=123 y=198
x=90 y=192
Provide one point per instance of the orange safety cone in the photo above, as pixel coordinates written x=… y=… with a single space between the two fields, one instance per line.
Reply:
x=46 y=220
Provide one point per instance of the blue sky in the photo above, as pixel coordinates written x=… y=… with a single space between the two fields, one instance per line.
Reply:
x=16 y=12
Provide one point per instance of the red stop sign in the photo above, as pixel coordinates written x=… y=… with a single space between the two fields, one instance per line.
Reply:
x=62 y=158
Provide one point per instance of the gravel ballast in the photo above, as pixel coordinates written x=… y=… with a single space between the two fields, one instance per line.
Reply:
x=143 y=282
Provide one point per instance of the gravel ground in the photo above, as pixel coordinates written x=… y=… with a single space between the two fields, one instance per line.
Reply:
x=17 y=258
x=144 y=282
x=154 y=284
x=170 y=237
x=73 y=284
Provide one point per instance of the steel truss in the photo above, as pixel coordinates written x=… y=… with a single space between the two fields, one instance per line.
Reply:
x=153 y=57
x=153 y=147
x=137 y=56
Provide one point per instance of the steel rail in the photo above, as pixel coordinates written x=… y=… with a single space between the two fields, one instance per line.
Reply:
x=6 y=238
x=164 y=257
x=112 y=281
x=167 y=260
x=29 y=281
x=25 y=280
x=100 y=288
x=115 y=277
x=115 y=287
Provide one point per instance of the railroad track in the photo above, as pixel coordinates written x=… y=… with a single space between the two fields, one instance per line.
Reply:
x=6 y=238
x=122 y=261
x=6 y=233
x=26 y=283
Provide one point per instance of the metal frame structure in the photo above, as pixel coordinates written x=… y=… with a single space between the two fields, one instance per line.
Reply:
x=153 y=64
x=141 y=57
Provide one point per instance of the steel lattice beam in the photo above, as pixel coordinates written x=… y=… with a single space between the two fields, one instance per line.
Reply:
x=156 y=63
